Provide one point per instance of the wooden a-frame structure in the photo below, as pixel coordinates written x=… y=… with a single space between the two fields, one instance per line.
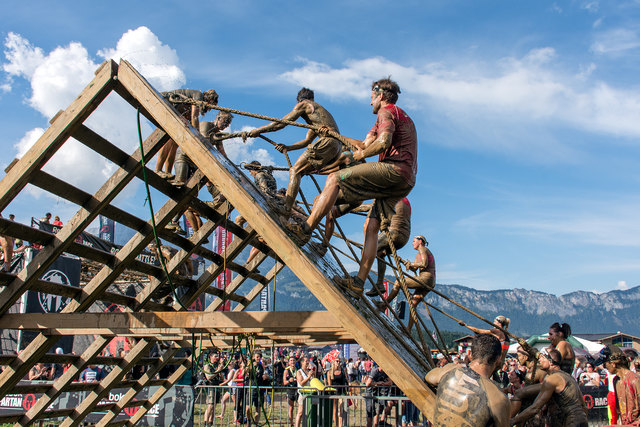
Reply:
x=147 y=320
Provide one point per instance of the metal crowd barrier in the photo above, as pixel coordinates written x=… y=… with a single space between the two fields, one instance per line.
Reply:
x=319 y=408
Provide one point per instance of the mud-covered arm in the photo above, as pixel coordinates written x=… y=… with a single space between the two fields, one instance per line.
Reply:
x=435 y=375
x=297 y=111
x=373 y=145
x=547 y=389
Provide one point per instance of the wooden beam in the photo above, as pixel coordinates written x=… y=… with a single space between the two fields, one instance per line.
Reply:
x=253 y=293
x=135 y=389
x=213 y=271
x=173 y=378
x=116 y=374
x=227 y=321
x=67 y=377
x=53 y=138
x=67 y=234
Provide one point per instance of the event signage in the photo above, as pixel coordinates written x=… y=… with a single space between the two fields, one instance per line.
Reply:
x=174 y=409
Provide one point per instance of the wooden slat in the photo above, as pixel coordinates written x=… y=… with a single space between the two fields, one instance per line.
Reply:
x=53 y=138
x=67 y=234
x=213 y=271
x=173 y=378
x=372 y=334
x=116 y=374
x=257 y=289
x=144 y=381
x=227 y=321
x=67 y=377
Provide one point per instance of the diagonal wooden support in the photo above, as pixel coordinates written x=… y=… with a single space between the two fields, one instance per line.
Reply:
x=66 y=236
x=129 y=252
x=67 y=377
x=406 y=370
x=234 y=286
x=145 y=295
x=214 y=271
x=53 y=138
x=135 y=389
x=116 y=374
x=91 y=292
x=253 y=293
x=173 y=378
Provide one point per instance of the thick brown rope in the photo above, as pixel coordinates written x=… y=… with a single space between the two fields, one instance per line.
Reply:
x=384 y=226
x=316 y=129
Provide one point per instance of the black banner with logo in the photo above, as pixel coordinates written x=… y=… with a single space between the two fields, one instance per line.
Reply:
x=596 y=400
x=174 y=409
x=65 y=270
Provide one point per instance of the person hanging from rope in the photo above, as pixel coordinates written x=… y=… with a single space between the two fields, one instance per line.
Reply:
x=190 y=114
x=394 y=139
x=424 y=281
x=400 y=231
x=322 y=155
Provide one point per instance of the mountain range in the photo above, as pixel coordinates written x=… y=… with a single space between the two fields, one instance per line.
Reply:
x=530 y=312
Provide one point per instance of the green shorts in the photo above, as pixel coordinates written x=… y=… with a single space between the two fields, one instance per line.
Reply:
x=368 y=181
x=323 y=152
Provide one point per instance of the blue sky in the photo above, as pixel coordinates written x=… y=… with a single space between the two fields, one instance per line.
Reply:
x=527 y=112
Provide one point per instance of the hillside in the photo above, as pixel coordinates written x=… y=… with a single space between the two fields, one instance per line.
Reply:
x=530 y=312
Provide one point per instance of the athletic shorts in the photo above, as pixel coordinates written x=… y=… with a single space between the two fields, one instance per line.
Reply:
x=323 y=152
x=379 y=181
x=423 y=283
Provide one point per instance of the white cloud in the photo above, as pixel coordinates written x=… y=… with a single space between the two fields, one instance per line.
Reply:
x=22 y=56
x=57 y=77
x=505 y=106
x=597 y=221
x=156 y=61
x=591 y=6
x=616 y=41
x=622 y=285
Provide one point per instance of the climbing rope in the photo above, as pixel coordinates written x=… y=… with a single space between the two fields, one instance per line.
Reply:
x=384 y=226
x=316 y=129
x=153 y=219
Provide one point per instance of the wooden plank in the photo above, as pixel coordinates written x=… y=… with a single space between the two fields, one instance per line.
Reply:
x=373 y=335
x=213 y=271
x=90 y=293
x=173 y=378
x=53 y=138
x=257 y=289
x=127 y=254
x=144 y=381
x=116 y=374
x=67 y=377
x=67 y=234
x=233 y=286
x=228 y=321
x=173 y=265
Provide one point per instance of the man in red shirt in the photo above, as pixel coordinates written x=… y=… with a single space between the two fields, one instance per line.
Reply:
x=627 y=389
x=393 y=138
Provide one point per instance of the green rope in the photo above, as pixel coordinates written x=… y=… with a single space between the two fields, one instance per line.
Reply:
x=153 y=219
